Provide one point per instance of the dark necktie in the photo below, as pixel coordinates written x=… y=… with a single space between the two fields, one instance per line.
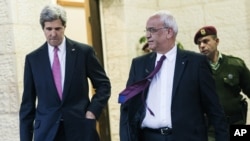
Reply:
x=139 y=86
x=56 y=69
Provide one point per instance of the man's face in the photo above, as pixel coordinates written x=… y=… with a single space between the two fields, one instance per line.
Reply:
x=156 y=33
x=54 y=32
x=208 y=45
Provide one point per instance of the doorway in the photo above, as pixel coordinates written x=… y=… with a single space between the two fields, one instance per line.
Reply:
x=87 y=30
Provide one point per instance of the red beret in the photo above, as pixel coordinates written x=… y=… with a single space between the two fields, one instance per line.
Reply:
x=204 y=31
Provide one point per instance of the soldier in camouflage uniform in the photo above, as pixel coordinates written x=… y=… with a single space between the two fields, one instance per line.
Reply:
x=231 y=75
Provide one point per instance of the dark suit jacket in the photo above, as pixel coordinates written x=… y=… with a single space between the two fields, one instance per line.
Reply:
x=193 y=96
x=41 y=108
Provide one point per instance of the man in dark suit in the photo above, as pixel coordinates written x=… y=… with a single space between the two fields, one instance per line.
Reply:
x=64 y=113
x=174 y=106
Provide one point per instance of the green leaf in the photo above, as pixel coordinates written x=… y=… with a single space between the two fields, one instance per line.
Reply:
x=142 y=40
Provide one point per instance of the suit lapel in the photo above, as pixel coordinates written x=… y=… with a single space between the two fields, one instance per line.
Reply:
x=150 y=61
x=44 y=60
x=181 y=62
x=44 y=68
x=71 y=53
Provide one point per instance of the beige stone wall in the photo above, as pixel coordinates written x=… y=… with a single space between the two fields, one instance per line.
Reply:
x=124 y=23
x=19 y=34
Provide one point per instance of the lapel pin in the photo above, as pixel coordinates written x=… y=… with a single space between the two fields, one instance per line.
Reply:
x=73 y=49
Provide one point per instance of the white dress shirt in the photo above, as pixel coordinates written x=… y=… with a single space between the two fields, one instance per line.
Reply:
x=160 y=93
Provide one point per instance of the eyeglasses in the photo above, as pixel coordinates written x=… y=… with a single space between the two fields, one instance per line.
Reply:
x=154 y=30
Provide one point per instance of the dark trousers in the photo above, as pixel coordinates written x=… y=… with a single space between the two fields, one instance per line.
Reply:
x=88 y=135
x=60 y=136
x=153 y=136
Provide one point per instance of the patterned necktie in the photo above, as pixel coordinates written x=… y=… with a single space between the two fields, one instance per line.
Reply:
x=56 y=69
x=139 y=86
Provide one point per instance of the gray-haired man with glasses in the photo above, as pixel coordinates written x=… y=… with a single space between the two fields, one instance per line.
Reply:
x=173 y=106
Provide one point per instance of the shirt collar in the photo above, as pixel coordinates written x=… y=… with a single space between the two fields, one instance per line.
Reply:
x=216 y=65
x=170 y=55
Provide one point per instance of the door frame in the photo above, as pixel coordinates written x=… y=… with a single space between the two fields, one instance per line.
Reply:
x=94 y=37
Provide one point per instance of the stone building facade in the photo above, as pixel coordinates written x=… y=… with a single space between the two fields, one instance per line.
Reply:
x=123 y=23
